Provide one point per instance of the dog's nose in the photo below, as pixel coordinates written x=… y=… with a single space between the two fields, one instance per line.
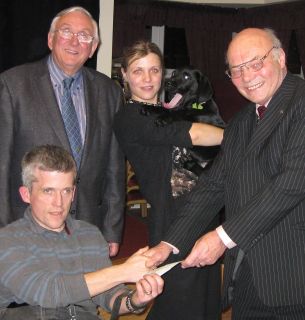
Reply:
x=168 y=84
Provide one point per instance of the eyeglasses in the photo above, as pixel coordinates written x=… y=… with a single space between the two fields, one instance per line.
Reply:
x=254 y=65
x=82 y=36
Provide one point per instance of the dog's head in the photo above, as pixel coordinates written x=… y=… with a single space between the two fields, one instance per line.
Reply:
x=187 y=86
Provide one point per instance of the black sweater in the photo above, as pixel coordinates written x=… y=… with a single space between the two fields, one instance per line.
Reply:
x=149 y=151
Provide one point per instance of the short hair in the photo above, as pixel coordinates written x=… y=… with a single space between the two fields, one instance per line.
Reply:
x=276 y=42
x=73 y=9
x=46 y=158
x=138 y=50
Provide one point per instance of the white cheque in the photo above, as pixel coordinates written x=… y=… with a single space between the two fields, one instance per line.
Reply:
x=161 y=270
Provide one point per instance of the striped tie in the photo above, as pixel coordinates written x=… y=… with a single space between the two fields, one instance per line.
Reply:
x=71 y=122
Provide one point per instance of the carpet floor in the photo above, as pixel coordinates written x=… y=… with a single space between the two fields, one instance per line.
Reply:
x=135 y=234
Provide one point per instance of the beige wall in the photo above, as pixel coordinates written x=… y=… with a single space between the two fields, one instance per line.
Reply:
x=104 y=55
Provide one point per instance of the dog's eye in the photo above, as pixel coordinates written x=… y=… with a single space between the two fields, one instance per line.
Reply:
x=186 y=76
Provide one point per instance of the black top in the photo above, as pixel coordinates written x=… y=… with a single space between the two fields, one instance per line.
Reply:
x=149 y=151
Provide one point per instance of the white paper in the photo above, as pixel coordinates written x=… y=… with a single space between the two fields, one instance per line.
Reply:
x=161 y=270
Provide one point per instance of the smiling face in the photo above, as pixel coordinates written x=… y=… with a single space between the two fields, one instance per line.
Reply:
x=50 y=198
x=144 y=77
x=257 y=86
x=70 y=55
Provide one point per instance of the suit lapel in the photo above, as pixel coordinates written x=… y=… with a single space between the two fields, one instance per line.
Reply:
x=90 y=97
x=275 y=112
x=48 y=105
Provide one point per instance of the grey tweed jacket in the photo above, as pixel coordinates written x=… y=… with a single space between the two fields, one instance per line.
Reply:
x=30 y=116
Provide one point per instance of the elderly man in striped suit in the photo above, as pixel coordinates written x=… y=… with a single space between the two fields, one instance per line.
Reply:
x=259 y=176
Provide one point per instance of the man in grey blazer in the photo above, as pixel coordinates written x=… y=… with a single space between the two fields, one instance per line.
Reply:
x=259 y=176
x=31 y=114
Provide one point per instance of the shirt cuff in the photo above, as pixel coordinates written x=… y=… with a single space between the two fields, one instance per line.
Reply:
x=175 y=250
x=228 y=242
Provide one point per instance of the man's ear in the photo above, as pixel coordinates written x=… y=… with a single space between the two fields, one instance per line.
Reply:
x=50 y=40
x=25 y=194
x=282 y=57
x=93 y=48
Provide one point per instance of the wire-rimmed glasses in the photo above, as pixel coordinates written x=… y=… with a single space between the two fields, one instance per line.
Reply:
x=82 y=36
x=253 y=65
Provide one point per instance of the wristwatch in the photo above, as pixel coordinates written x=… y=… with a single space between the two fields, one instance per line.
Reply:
x=133 y=308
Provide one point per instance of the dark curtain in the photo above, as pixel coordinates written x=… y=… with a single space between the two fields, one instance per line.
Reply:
x=204 y=26
x=208 y=31
x=300 y=33
x=24 y=26
x=284 y=19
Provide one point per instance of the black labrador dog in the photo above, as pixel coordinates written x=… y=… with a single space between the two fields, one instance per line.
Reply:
x=191 y=98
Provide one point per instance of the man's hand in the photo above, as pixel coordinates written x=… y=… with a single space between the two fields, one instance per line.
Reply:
x=147 y=289
x=134 y=268
x=158 y=254
x=207 y=250
x=113 y=248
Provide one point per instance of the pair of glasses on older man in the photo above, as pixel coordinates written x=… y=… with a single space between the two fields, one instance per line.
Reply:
x=82 y=36
x=254 y=65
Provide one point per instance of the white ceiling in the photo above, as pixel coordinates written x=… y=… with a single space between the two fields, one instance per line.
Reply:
x=233 y=3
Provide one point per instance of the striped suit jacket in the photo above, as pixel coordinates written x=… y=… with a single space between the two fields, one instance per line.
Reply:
x=259 y=176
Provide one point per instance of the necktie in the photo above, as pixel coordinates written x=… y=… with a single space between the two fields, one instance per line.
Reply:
x=71 y=122
x=261 y=110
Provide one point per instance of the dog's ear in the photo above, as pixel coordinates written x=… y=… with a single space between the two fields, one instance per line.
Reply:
x=204 y=91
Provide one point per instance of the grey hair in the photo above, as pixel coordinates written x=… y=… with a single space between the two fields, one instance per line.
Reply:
x=46 y=158
x=276 y=42
x=79 y=9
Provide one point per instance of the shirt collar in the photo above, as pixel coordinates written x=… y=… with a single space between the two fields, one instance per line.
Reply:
x=258 y=105
x=57 y=75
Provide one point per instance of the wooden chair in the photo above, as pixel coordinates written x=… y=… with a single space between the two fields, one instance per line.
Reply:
x=133 y=193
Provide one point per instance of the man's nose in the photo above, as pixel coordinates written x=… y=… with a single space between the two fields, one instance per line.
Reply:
x=57 y=199
x=246 y=73
x=74 y=40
